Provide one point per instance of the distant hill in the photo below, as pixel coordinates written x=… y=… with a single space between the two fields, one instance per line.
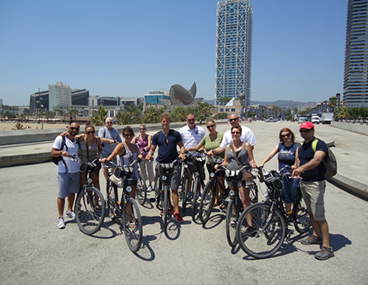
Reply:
x=279 y=103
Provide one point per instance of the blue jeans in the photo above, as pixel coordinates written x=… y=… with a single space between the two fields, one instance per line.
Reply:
x=290 y=189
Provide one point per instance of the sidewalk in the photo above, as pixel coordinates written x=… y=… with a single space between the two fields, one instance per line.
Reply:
x=350 y=152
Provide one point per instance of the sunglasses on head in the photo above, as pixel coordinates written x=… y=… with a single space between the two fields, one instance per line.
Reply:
x=305 y=130
x=210 y=126
x=76 y=129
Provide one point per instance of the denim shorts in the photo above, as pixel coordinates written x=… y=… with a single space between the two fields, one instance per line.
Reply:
x=68 y=183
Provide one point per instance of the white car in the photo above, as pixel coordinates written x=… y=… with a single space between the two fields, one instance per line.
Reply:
x=316 y=119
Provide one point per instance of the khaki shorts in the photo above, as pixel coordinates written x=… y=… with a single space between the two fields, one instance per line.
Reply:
x=313 y=192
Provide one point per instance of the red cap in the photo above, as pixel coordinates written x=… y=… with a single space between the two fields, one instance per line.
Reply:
x=307 y=125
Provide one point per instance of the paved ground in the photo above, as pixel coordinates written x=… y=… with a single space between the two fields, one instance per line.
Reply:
x=34 y=251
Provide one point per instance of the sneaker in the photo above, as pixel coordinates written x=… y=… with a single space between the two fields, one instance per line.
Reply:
x=170 y=210
x=70 y=214
x=178 y=217
x=61 y=224
x=325 y=253
x=311 y=240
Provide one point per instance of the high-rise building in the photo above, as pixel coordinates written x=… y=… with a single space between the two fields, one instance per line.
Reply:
x=60 y=95
x=356 y=55
x=234 y=50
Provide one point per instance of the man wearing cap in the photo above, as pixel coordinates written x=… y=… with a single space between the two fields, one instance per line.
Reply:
x=312 y=185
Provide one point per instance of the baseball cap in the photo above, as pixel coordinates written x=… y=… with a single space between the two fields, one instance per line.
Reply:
x=307 y=125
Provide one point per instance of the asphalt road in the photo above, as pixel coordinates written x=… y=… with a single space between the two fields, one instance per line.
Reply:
x=35 y=251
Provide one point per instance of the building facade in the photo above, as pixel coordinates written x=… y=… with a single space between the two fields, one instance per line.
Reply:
x=60 y=96
x=155 y=97
x=356 y=55
x=233 y=50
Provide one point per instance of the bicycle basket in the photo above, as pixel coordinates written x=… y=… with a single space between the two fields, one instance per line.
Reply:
x=90 y=166
x=124 y=171
x=274 y=183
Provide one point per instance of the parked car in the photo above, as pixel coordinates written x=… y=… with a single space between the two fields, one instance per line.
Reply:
x=270 y=119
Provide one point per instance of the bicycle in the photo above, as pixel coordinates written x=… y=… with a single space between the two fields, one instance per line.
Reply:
x=210 y=192
x=269 y=219
x=88 y=213
x=197 y=183
x=125 y=211
x=235 y=205
x=141 y=189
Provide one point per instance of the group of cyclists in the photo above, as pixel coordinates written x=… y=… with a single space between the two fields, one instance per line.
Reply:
x=235 y=147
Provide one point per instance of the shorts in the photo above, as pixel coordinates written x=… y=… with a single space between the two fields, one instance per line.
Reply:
x=241 y=183
x=106 y=155
x=174 y=176
x=68 y=183
x=192 y=169
x=313 y=192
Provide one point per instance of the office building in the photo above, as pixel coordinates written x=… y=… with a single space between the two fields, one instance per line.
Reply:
x=155 y=97
x=60 y=96
x=234 y=50
x=356 y=55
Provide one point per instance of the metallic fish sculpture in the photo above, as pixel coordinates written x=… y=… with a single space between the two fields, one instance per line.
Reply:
x=180 y=96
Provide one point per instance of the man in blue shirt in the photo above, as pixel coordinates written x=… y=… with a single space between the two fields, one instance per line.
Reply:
x=312 y=170
x=167 y=140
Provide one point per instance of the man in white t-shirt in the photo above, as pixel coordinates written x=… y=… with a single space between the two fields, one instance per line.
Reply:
x=67 y=148
x=246 y=136
x=191 y=135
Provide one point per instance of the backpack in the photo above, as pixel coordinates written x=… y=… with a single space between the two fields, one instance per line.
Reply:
x=56 y=160
x=330 y=163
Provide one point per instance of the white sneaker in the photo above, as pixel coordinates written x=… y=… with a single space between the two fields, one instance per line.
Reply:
x=70 y=214
x=61 y=224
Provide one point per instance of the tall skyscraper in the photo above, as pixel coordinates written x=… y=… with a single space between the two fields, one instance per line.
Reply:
x=60 y=95
x=234 y=50
x=356 y=55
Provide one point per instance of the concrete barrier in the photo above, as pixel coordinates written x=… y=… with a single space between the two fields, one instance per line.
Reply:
x=356 y=128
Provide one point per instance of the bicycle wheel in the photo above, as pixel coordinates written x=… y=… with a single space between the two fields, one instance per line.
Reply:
x=90 y=210
x=132 y=225
x=184 y=190
x=141 y=189
x=111 y=201
x=165 y=207
x=195 y=203
x=301 y=216
x=207 y=202
x=232 y=216
x=266 y=234
x=253 y=193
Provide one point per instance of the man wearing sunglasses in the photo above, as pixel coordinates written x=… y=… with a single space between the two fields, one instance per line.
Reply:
x=67 y=148
x=108 y=136
x=246 y=136
x=310 y=167
x=191 y=135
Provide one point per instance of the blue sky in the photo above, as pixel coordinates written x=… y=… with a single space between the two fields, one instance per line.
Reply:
x=125 y=48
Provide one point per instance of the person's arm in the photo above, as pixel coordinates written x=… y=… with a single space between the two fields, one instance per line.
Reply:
x=249 y=150
x=99 y=146
x=135 y=140
x=314 y=162
x=151 y=152
x=182 y=150
x=225 y=162
x=297 y=161
x=194 y=148
x=271 y=155
x=118 y=150
x=147 y=148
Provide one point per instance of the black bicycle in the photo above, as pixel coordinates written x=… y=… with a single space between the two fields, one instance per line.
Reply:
x=141 y=189
x=235 y=205
x=210 y=192
x=90 y=203
x=269 y=222
x=124 y=211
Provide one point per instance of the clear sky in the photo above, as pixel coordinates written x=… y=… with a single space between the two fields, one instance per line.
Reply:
x=126 y=48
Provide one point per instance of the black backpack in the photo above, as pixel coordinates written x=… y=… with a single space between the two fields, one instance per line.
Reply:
x=56 y=160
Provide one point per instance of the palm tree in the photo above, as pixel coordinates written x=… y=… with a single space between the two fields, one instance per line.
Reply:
x=179 y=114
x=205 y=109
x=99 y=117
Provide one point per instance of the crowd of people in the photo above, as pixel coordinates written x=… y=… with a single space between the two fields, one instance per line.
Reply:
x=235 y=146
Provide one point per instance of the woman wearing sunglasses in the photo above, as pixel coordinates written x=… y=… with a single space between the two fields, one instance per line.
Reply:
x=286 y=150
x=143 y=141
x=128 y=152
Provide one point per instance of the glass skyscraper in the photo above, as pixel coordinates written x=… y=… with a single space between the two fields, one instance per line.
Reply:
x=234 y=50
x=356 y=55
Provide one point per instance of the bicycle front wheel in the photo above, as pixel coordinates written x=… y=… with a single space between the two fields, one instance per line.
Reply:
x=253 y=193
x=232 y=216
x=133 y=230
x=196 y=195
x=141 y=189
x=301 y=216
x=207 y=201
x=184 y=191
x=165 y=206
x=266 y=233
x=90 y=210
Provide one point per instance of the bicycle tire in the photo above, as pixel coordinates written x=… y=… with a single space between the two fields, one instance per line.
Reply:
x=195 y=204
x=165 y=207
x=111 y=201
x=184 y=187
x=89 y=219
x=267 y=233
x=207 y=202
x=301 y=218
x=133 y=235
x=141 y=189
x=253 y=193
x=232 y=216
